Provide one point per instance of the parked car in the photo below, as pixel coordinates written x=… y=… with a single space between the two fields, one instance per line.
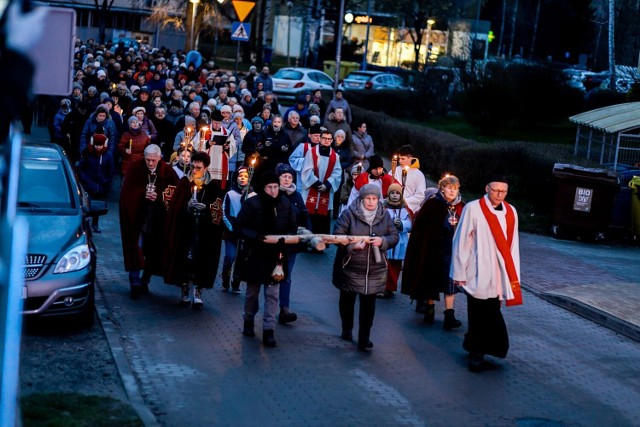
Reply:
x=372 y=80
x=289 y=83
x=60 y=266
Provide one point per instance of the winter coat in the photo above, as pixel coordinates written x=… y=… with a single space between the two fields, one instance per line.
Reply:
x=277 y=149
x=95 y=173
x=333 y=125
x=257 y=218
x=89 y=130
x=362 y=148
x=296 y=135
x=139 y=142
x=428 y=257
x=356 y=270
x=338 y=103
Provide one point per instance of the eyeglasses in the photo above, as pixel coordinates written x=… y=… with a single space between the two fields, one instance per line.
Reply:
x=327 y=138
x=498 y=192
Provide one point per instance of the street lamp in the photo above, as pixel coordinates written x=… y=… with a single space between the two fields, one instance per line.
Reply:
x=289 y=6
x=430 y=23
x=193 y=21
x=366 y=39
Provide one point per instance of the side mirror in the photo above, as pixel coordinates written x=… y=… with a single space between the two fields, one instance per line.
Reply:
x=96 y=208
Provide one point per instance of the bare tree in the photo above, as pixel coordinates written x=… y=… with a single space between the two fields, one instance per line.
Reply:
x=102 y=10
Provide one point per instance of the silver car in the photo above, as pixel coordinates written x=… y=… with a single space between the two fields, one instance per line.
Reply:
x=372 y=80
x=289 y=83
x=60 y=266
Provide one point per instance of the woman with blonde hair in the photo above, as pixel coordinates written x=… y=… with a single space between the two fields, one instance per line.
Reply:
x=428 y=258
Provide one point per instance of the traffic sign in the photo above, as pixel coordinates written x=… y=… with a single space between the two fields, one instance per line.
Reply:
x=243 y=8
x=240 y=31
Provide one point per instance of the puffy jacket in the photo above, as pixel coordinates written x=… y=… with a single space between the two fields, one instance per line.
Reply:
x=356 y=270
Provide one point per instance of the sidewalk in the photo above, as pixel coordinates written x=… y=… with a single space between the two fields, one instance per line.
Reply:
x=598 y=281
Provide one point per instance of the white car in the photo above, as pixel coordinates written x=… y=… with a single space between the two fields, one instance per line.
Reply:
x=289 y=83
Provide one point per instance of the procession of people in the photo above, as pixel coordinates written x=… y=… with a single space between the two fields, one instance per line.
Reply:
x=207 y=175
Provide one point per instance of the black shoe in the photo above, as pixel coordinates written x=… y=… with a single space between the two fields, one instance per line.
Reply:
x=380 y=295
x=450 y=321
x=346 y=335
x=96 y=229
x=144 y=288
x=421 y=307
x=248 y=331
x=226 y=278
x=235 y=287
x=268 y=339
x=284 y=318
x=430 y=314
x=476 y=362
x=135 y=290
x=365 y=345
x=389 y=294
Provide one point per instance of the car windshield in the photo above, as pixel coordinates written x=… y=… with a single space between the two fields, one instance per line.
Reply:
x=288 y=75
x=359 y=77
x=43 y=184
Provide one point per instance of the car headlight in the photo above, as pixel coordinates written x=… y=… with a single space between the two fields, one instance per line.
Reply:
x=75 y=259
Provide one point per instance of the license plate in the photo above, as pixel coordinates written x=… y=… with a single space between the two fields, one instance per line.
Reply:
x=281 y=85
x=24 y=292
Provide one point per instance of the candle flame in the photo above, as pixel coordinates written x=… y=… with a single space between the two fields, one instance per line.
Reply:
x=253 y=161
x=406 y=168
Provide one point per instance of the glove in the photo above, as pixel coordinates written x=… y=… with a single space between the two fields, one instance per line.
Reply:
x=398 y=223
x=285 y=147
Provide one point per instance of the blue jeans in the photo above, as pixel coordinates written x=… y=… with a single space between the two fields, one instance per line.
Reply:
x=230 y=251
x=285 y=285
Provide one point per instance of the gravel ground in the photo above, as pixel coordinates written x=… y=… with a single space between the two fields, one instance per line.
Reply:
x=60 y=357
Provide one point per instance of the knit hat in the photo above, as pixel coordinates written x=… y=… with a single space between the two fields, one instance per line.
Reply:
x=65 y=104
x=188 y=120
x=257 y=119
x=395 y=187
x=132 y=119
x=340 y=132
x=268 y=177
x=77 y=86
x=283 y=168
x=237 y=114
x=140 y=108
x=375 y=162
x=371 y=189
x=225 y=108
x=238 y=107
x=101 y=73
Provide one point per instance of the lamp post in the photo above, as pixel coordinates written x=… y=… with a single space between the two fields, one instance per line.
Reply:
x=339 y=45
x=430 y=23
x=366 y=38
x=289 y=6
x=193 y=22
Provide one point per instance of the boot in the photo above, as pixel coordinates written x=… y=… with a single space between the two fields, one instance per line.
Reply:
x=286 y=316
x=450 y=321
x=268 y=339
x=197 y=298
x=346 y=335
x=421 y=307
x=235 y=286
x=248 y=329
x=430 y=314
x=226 y=277
x=185 y=294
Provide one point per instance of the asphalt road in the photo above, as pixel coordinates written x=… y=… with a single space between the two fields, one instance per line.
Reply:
x=183 y=367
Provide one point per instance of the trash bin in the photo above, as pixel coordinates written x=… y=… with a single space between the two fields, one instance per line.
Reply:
x=346 y=67
x=635 y=205
x=583 y=200
x=621 y=217
x=267 y=52
x=329 y=67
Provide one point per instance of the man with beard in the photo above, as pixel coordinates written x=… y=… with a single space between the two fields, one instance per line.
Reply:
x=142 y=217
x=194 y=231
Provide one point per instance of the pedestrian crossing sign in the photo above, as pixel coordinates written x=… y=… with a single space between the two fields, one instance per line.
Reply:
x=240 y=31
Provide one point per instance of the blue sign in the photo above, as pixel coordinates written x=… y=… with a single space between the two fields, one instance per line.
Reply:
x=240 y=31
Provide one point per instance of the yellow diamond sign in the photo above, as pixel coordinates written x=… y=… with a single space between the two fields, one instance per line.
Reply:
x=243 y=8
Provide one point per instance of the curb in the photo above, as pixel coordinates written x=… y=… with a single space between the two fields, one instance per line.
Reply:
x=122 y=364
x=589 y=312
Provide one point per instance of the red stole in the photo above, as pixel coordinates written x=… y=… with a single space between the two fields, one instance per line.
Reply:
x=504 y=246
x=386 y=180
x=318 y=203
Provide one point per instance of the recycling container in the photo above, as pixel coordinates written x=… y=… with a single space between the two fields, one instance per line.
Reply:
x=621 y=217
x=635 y=205
x=583 y=199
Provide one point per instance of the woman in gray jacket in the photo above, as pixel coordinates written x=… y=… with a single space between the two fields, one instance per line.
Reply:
x=361 y=268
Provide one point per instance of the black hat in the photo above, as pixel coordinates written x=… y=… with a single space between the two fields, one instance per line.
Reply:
x=375 y=162
x=216 y=116
x=144 y=89
x=315 y=129
x=497 y=178
x=268 y=177
x=283 y=168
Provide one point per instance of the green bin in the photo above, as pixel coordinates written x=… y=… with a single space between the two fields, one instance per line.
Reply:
x=346 y=67
x=635 y=205
x=329 y=67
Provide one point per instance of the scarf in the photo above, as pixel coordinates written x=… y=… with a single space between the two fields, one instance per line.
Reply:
x=288 y=190
x=369 y=216
x=504 y=246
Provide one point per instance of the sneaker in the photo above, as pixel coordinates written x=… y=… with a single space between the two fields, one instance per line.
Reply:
x=235 y=286
x=380 y=295
x=197 y=297
x=185 y=294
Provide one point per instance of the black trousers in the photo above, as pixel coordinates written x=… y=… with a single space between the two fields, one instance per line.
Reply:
x=365 y=317
x=321 y=224
x=487 y=331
